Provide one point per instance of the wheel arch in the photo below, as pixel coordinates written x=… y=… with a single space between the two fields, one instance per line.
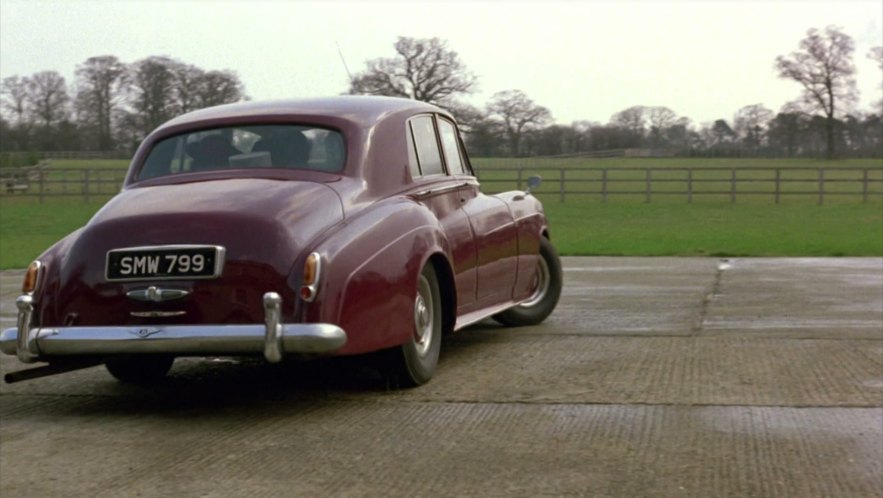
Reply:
x=448 y=290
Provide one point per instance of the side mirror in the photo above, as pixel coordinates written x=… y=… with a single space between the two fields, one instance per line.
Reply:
x=533 y=182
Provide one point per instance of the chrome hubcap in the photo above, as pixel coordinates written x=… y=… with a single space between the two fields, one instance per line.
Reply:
x=542 y=282
x=423 y=319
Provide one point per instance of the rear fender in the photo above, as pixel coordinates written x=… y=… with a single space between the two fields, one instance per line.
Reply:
x=49 y=280
x=369 y=274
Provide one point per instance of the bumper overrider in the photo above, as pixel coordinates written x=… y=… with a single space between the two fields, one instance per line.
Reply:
x=272 y=339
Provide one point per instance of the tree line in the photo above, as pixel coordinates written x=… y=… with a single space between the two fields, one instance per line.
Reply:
x=511 y=124
x=110 y=105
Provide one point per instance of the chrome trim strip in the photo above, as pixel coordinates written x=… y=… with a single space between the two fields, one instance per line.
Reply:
x=443 y=190
x=156 y=294
x=220 y=257
x=156 y=314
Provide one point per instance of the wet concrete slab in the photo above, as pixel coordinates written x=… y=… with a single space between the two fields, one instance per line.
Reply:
x=799 y=298
x=332 y=447
x=632 y=296
x=654 y=377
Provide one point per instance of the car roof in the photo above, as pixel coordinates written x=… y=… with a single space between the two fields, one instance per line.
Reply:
x=357 y=109
x=373 y=126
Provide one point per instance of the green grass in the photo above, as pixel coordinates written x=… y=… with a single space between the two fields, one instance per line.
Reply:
x=711 y=226
x=89 y=163
x=27 y=229
x=716 y=229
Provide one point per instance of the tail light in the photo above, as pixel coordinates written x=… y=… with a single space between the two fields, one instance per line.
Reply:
x=31 y=276
x=312 y=270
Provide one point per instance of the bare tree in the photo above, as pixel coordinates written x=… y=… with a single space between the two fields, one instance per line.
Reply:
x=660 y=118
x=15 y=102
x=423 y=69
x=15 y=97
x=750 y=122
x=218 y=87
x=823 y=66
x=99 y=92
x=876 y=55
x=467 y=115
x=185 y=82
x=722 y=133
x=47 y=93
x=518 y=114
x=633 y=119
x=152 y=86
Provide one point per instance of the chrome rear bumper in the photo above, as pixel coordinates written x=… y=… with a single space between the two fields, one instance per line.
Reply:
x=272 y=339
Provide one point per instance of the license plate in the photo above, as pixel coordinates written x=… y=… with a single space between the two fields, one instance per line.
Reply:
x=165 y=262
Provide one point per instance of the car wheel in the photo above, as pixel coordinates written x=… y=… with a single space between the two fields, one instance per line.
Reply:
x=414 y=362
x=547 y=290
x=141 y=370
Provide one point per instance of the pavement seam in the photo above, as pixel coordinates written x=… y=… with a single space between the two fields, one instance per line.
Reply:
x=698 y=327
x=385 y=400
x=664 y=405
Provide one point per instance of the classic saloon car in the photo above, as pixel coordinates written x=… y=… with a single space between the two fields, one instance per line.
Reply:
x=336 y=226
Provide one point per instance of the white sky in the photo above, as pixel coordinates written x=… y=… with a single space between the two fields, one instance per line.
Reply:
x=581 y=59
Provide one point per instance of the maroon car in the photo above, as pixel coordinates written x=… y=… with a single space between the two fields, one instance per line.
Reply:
x=336 y=226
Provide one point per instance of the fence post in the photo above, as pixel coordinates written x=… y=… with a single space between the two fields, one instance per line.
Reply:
x=41 y=178
x=86 y=187
x=561 y=185
x=647 y=195
x=604 y=186
x=519 y=177
x=865 y=186
x=733 y=186
x=690 y=186
x=821 y=186
x=778 y=184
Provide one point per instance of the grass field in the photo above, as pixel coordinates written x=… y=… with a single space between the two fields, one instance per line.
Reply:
x=581 y=229
x=716 y=230
x=627 y=226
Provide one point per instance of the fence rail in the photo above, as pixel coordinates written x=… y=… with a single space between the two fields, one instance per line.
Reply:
x=692 y=184
x=46 y=183
x=562 y=184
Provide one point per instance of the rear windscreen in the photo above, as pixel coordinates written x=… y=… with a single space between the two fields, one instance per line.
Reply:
x=244 y=147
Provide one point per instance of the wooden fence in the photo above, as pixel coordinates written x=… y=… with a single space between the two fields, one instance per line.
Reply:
x=694 y=184
x=819 y=185
x=52 y=183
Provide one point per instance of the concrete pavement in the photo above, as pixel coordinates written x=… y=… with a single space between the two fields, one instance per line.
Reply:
x=654 y=377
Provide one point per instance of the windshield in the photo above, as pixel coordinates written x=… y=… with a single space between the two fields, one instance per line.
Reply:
x=243 y=147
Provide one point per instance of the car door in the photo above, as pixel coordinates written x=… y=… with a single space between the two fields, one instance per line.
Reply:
x=496 y=237
x=442 y=194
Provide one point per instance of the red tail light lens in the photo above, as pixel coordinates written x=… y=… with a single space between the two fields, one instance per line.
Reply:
x=30 y=282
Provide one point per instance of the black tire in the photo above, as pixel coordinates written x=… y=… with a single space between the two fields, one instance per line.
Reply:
x=413 y=363
x=140 y=370
x=545 y=297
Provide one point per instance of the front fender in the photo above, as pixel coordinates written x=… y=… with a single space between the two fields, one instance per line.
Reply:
x=370 y=271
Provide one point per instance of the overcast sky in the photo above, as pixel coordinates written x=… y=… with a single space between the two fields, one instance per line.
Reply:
x=584 y=60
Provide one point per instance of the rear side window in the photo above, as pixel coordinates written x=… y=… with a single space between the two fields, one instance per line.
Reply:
x=243 y=147
x=451 y=146
x=428 y=155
